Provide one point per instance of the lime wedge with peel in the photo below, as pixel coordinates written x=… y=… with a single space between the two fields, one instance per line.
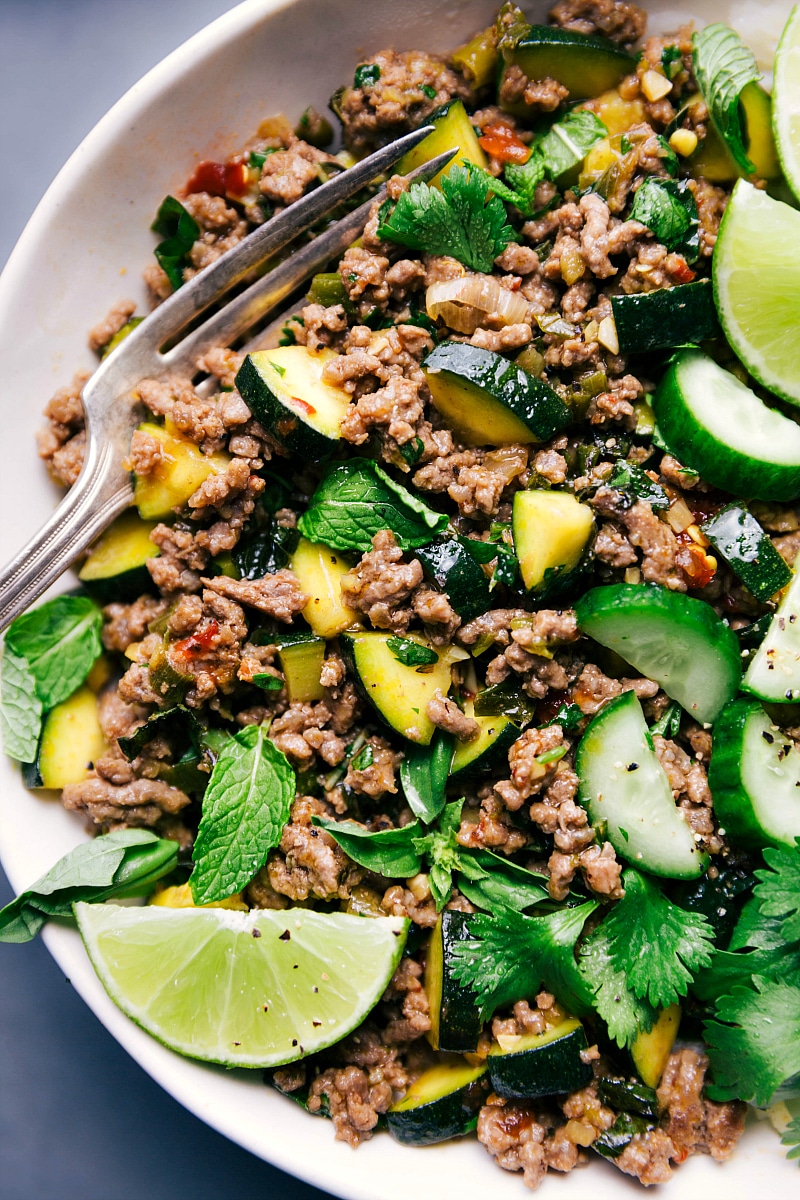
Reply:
x=786 y=100
x=252 y=989
x=757 y=287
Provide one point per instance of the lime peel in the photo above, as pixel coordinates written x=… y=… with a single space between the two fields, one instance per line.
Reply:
x=786 y=101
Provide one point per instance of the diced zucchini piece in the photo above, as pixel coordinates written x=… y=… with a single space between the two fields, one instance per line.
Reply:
x=540 y=1064
x=101 y=673
x=652 y=1048
x=449 y=563
x=286 y=392
x=585 y=64
x=400 y=693
x=737 y=536
x=452 y=131
x=71 y=742
x=319 y=570
x=116 y=567
x=180 y=896
x=666 y=317
x=182 y=469
x=551 y=533
x=489 y=401
x=628 y=1095
x=455 y=1017
x=489 y=749
x=301 y=656
x=712 y=159
x=119 y=336
x=617 y=115
x=477 y=58
x=168 y=680
x=443 y=1103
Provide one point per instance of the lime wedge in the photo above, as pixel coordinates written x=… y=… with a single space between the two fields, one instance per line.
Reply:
x=757 y=287
x=786 y=100
x=251 y=989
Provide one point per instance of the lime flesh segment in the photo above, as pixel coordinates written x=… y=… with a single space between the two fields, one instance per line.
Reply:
x=786 y=101
x=252 y=989
x=757 y=287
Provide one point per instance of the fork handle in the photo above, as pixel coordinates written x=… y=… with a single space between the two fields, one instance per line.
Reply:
x=101 y=492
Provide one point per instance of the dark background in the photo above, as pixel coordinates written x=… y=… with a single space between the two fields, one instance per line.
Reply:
x=79 y=1120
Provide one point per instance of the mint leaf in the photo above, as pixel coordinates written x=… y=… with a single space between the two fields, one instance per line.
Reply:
x=624 y=1014
x=178 y=724
x=668 y=208
x=389 y=852
x=566 y=144
x=443 y=852
x=754 y=1042
x=20 y=709
x=723 y=67
x=492 y=882
x=245 y=807
x=60 y=641
x=411 y=653
x=125 y=862
x=180 y=231
x=462 y=219
x=261 y=552
x=356 y=500
x=778 y=889
x=523 y=179
x=637 y=483
x=423 y=775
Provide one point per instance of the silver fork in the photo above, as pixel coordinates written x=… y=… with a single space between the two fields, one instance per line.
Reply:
x=104 y=488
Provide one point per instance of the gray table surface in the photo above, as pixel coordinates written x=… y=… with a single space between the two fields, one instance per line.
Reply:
x=79 y=1120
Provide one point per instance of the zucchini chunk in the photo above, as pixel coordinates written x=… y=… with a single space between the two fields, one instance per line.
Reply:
x=666 y=317
x=116 y=567
x=540 y=1064
x=452 y=130
x=737 y=536
x=183 y=467
x=400 y=693
x=585 y=64
x=286 y=392
x=652 y=1048
x=712 y=159
x=448 y=562
x=774 y=671
x=551 y=532
x=754 y=777
x=320 y=570
x=626 y=790
x=301 y=656
x=71 y=742
x=443 y=1103
x=489 y=401
x=489 y=749
x=455 y=1018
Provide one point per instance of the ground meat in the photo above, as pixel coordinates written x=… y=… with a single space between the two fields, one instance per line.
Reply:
x=279 y=595
x=224 y=364
x=697 y=1125
x=600 y=870
x=540 y=95
x=521 y=1139
x=261 y=894
x=61 y=444
x=510 y=337
x=288 y=173
x=788 y=545
x=397 y=408
x=491 y=826
x=126 y=623
x=112 y=322
x=478 y=488
x=689 y=782
x=221 y=228
x=528 y=774
x=612 y=547
x=647 y=1156
x=399 y=99
x=304 y=730
x=618 y=20
x=711 y=204
x=446 y=714
x=524 y=1019
x=649 y=534
x=381 y=584
x=406 y=988
x=551 y=465
x=593 y=689
x=354 y=1106
x=378 y=778
x=142 y=802
x=400 y=901
x=308 y=861
x=435 y=611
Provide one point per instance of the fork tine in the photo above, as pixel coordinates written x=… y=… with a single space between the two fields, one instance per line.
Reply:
x=272 y=289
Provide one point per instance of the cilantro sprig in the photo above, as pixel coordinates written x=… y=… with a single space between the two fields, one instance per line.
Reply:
x=791 y=1137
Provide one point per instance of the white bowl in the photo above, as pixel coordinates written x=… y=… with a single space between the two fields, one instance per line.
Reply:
x=83 y=249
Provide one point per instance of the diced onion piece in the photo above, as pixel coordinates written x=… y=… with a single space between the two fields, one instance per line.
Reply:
x=680 y=516
x=655 y=85
x=607 y=335
x=465 y=304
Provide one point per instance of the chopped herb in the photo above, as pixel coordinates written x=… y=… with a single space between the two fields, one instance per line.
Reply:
x=366 y=76
x=179 y=724
x=553 y=755
x=428 y=91
x=669 y=723
x=412 y=451
x=723 y=67
x=411 y=653
x=365 y=758
x=627 y=477
x=566 y=144
x=569 y=717
x=267 y=682
x=668 y=208
x=180 y=231
x=671 y=61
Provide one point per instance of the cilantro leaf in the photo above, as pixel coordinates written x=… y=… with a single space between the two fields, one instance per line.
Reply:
x=754 y=1042
x=180 y=231
x=462 y=219
x=723 y=67
x=566 y=144
x=423 y=775
x=443 y=852
x=668 y=208
x=20 y=709
x=791 y=1137
x=627 y=477
x=245 y=807
x=390 y=852
x=356 y=500
x=125 y=862
x=624 y=1014
x=59 y=641
x=523 y=179
x=411 y=653
x=778 y=889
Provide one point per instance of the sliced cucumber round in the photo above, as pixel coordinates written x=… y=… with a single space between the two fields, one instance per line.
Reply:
x=443 y=1103
x=455 y=1016
x=720 y=428
x=489 y=401
x=627 y=794
x=755 y=777
x=551 y=533
x=585 y=64
x=679 y=642
x=774 y=671
x=540 y=1064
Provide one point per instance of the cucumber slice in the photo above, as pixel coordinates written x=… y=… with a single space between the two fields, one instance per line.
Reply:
x=679 y=642
x=627 y=794
x=443 y=1103
x=452 y=130
x=286 y=392
x=586 y=65
x=455 y=1017
x=720 y=428
x=774 y=671
x=488 y=750
x=551 y=533
x=668 y=317
x=301 y=656
x=71 y=742
x=116 y=568
x=755 y=777
x=652 y=1047
x=489 y=401
x=400 y=694
x=448 y=562
x=540 y=1064
x=183 y=467
x=319 y=570
x=737 y=536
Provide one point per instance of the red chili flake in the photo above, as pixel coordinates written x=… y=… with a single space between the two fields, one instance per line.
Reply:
x=501 y=142
x=681 y=272
x=219 y=179
x=304 y=406
x=196 y=643
x=691 y=559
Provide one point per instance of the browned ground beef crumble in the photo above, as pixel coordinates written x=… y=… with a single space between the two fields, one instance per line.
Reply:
x=573 y=254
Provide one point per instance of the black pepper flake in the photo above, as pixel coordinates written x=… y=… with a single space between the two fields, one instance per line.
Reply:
x=632 y=767
x=315 y=989
x=256 y=932
x=768 y=738
x=316 y=1024
x=295 y=966
x=294 y=1041
x=285 y=936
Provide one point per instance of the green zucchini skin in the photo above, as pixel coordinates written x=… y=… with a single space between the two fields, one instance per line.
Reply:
x=585 y=63
x=665 y=318
x=549 y=1069
x=628 y=1095
x=116 y=567
x=302 y=431
x=455 y=1018
x=450 y=565
x=721 y=899
x=737 y=536
x=490 y=400
x=488 y=751
x=457 y=1092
